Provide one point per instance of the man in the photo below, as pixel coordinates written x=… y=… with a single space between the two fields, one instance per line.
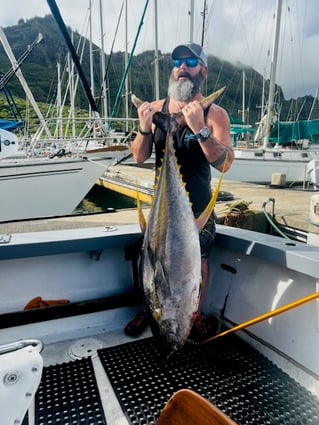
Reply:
x=204 y=140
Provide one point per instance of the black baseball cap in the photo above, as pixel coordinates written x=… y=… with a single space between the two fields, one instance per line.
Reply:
x=194 y=49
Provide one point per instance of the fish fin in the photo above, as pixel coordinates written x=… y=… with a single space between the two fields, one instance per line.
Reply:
x=160 y=276
x=211 y=98
x=157 y=314
x=136 y=101
x=204 y=216
x=141 y=217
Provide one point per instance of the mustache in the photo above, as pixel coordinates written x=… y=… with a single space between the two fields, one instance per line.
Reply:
x=183 y=90
x=185 y=74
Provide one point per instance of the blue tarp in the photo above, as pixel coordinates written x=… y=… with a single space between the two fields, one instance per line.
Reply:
x=10 y=124
x=237 y=126
x=287 y=132
x=239 y=130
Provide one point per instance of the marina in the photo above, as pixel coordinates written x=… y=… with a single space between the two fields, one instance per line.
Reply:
x=74 y=323
x=290 y=206
x=239 y=349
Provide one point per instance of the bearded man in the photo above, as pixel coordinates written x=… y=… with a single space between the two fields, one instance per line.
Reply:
x=201 y=142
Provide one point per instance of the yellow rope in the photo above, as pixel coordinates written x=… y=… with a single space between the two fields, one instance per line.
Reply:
x=267 y=315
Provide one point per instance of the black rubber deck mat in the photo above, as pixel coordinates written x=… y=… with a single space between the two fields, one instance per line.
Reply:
x=228 y=372
x=68 y=395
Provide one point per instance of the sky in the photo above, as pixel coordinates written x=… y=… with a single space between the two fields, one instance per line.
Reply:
x=238 y=31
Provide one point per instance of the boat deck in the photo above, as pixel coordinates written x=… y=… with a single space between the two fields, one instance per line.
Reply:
x=130 y=382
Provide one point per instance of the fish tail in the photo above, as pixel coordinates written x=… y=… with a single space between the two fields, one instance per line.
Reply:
x=211 y=98
x=136 y=101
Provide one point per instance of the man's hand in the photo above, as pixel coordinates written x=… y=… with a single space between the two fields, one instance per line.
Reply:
x=145 y=115
x=194 y=116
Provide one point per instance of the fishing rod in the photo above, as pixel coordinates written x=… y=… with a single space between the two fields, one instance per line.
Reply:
x=265 y=316
x=57 y=16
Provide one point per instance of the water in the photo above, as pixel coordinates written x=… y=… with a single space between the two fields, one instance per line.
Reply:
x=100 y=200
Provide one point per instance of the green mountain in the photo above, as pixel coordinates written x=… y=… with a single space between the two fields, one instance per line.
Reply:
x=40 y=71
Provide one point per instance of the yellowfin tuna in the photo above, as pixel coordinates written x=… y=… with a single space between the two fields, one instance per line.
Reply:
x=171 y=273
x=171 y=258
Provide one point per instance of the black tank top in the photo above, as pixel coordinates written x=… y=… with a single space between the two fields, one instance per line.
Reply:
x=195 y=169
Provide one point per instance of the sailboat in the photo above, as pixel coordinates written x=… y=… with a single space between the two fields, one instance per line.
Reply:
x=277 y=159
x=52 y=175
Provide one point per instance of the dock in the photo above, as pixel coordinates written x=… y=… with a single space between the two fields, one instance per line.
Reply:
x=290 y=206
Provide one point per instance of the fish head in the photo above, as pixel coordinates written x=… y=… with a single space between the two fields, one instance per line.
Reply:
x=172 y=334
x=168 y=122
x=168 y=331
x=173 y=341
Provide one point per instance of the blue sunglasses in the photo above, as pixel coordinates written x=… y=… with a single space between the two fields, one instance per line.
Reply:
x=190 y=62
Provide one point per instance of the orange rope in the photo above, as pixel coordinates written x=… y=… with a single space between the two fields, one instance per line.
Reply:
x=267 y=315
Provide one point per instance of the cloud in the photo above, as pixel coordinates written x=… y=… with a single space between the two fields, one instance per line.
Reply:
x=239 y=31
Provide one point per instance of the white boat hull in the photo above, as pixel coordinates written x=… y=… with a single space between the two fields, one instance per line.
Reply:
x=9 y=143
x=44 y=187
x=258 y=166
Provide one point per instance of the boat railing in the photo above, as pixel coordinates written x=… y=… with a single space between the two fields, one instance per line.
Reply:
x=17 y=345
x=81 y=136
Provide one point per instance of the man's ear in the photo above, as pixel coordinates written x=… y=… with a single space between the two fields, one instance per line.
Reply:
x=205 y=71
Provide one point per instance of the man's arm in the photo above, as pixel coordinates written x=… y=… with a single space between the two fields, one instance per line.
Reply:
x=141 y=146
x=218 y=145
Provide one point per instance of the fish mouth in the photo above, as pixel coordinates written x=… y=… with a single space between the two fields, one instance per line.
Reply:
x=170 y=337
x=172 y=341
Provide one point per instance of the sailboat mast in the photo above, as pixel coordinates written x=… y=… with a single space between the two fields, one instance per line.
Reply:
x=57 y=16
x=273 y=70
x=91 y=51
x=126 y=64
x=243 y=99
x=313 y=104
x=59 y=103
x=191 y=21
x=156 y=65
x=204 y=22
x=102 y=54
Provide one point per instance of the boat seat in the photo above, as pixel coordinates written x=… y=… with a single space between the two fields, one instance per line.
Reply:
x=21 y=367
x=186 y=407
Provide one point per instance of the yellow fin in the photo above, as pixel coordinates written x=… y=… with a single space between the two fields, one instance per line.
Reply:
x=141 y=217
x=204 y=216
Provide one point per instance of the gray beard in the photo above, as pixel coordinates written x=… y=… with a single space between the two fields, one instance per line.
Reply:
x=181 y=90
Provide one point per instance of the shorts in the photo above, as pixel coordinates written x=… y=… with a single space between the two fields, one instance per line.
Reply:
x=207 y=236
